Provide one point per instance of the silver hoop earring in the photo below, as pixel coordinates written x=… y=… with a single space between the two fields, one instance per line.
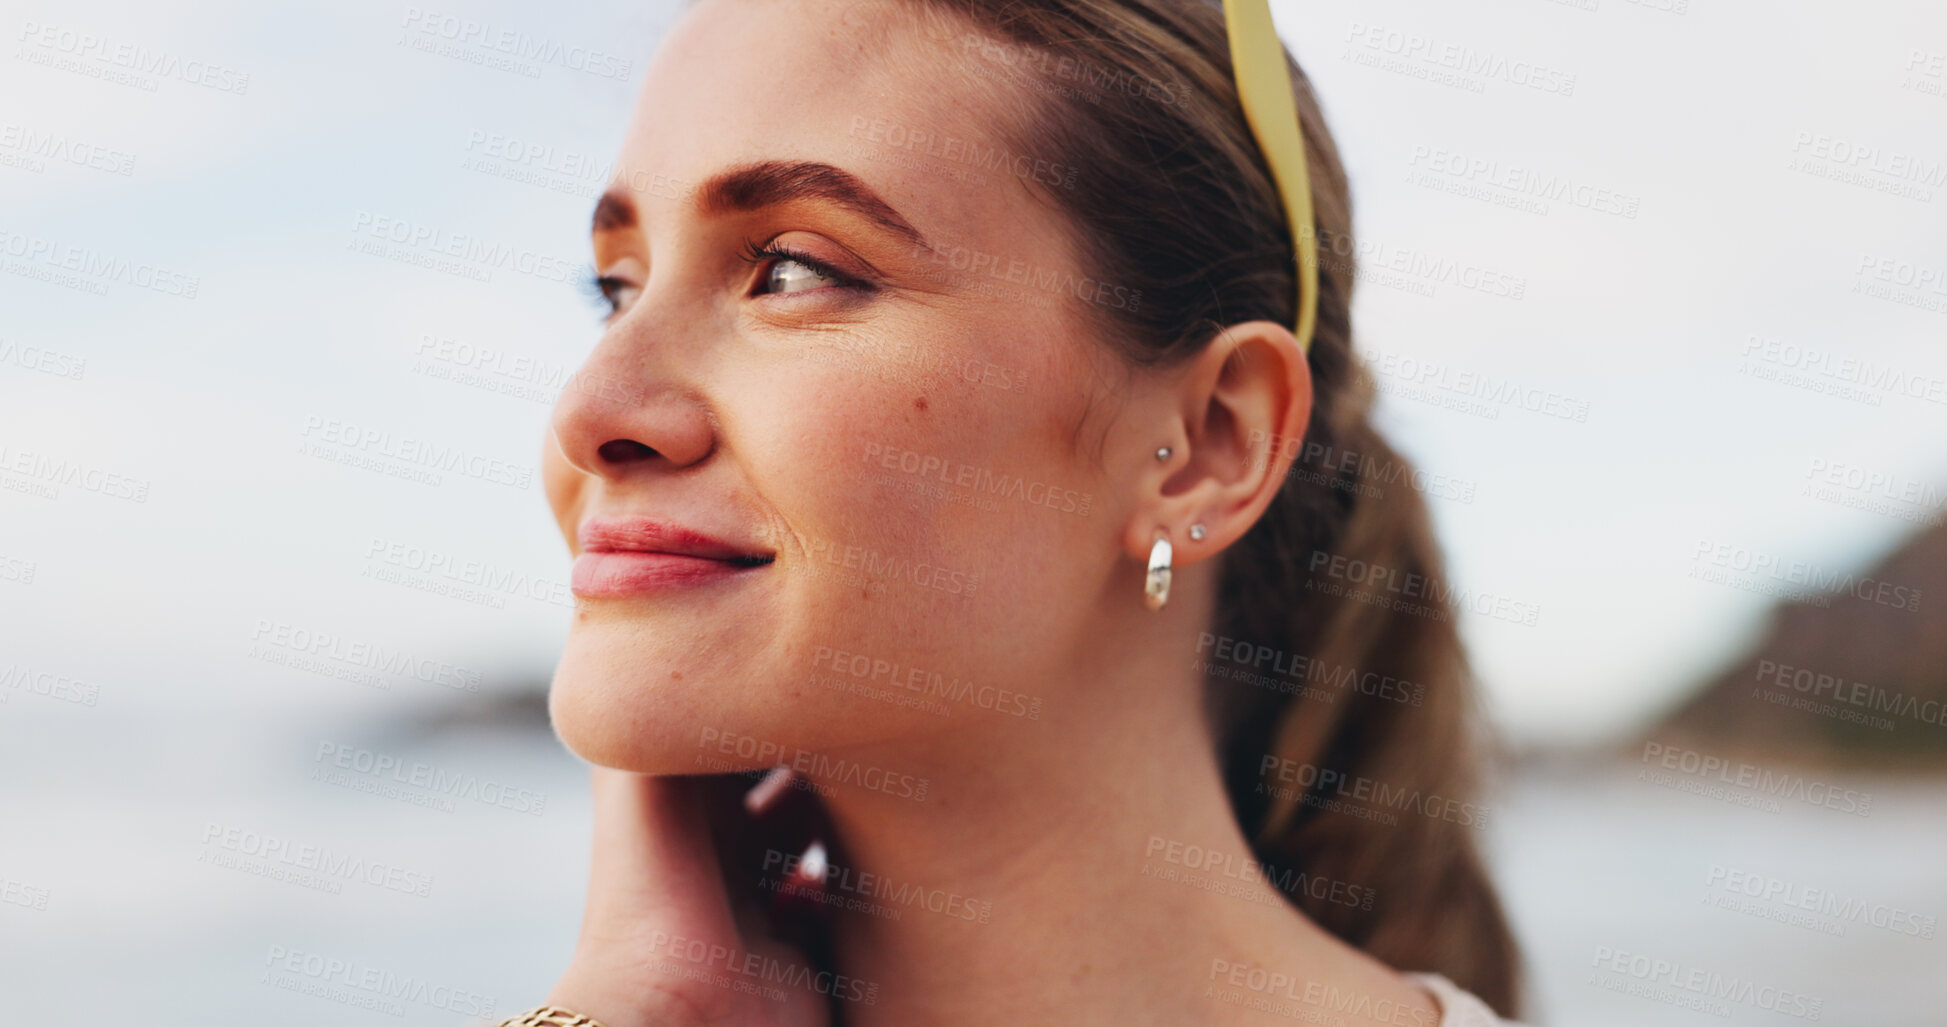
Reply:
x=1156 y=585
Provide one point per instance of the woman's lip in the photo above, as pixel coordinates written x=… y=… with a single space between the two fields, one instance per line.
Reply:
x=643 y=535
x=613 y=574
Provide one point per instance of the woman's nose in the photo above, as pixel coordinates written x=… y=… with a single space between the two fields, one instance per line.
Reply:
x=629 y=410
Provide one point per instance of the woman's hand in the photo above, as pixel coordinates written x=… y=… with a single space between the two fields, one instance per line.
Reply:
x=675 y=932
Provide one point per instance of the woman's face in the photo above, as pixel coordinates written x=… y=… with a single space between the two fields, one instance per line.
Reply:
x=849 y=346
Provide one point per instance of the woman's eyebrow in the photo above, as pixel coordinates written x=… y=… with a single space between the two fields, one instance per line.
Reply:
x=756 y=186
x=614 y=210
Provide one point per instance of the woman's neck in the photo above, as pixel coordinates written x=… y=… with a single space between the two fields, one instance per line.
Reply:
x=1084 y=868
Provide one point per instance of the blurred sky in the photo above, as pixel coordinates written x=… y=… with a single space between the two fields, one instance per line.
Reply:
x=1732 y=168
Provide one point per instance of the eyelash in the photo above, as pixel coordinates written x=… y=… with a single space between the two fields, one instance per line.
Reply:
x=755 y=256
x=601 y=288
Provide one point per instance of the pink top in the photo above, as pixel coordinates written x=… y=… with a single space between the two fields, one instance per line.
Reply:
x=1459 y=1008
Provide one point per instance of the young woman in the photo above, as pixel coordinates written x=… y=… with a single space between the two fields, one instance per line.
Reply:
x=950 y=460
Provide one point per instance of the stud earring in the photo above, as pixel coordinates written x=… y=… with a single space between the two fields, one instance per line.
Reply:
x=1197 y=532
x=1156 y=586
x=1163 y=453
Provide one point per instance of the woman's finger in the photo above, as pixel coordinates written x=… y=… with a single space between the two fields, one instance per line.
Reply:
x=655 y=860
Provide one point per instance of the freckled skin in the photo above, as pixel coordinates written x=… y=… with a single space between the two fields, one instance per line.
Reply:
x=798 y=447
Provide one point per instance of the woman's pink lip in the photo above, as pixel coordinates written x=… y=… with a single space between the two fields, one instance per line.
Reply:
x=610 y=575
x=640 y=534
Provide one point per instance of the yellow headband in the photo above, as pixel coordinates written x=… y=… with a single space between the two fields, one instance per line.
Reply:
x=1264 y=87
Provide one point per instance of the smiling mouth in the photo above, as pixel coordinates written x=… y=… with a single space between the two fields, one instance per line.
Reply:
x=625 y=557
x=615 y=574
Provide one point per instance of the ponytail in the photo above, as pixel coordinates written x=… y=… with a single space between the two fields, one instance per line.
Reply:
x=1351 y=764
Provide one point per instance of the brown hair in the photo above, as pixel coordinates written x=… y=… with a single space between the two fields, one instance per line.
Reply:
x=1174 y=202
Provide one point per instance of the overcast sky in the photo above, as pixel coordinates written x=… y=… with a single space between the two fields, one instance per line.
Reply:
x=1707 y=240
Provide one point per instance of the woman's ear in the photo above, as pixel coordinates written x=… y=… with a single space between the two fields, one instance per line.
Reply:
x=1233 y=419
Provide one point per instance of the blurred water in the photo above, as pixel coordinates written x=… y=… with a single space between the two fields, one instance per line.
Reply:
x=106 y=819
x=1593 y=860
x=477 y=904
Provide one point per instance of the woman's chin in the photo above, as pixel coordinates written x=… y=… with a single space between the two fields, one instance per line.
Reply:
x=632 y=717
x=650 y=717
x=618 y=702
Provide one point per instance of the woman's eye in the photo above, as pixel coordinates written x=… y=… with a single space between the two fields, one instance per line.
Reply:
x=789 y=275
x=618 y=293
